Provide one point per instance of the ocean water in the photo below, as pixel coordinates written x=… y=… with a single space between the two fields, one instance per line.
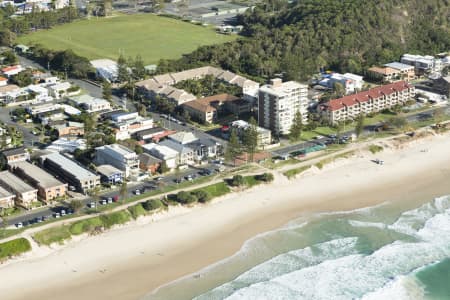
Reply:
x=382 y=252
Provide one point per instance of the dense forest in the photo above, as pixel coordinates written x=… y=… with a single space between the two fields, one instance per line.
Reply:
x=305 y=36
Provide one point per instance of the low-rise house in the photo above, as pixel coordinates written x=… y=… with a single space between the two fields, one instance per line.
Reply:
x=25 y=194
x=406 y=72
x=264 y=135
x=67 y=145
x=153 y=134
x=207 y=109
x=49 y=188
x=6 y=199
x=118 y=156
x=70 y=171
x=3 y=81
x=62 y=89
x=165 y=154
x=366 y=102
x=350 y=82
x=192 y=149
x=70 y=128
x=16 y=155
x=384 y=74
x=12 y=70
x=149 y=163
x=8 y=92
x=40 y=93
x=185 y=154
x=109 y=174
x=91 y=104
x=105 y=69
x=122 y=116
x=124 y=130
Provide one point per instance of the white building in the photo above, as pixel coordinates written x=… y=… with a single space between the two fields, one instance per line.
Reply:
x=106 y=69
x=12 y=70
x=3 y=81
x=118 y=156
x=264 y=135
x=351 y=82
x=91 y=104
x=67 y=145
x=279 y=102
x=59 y=90
x=422 y=64
x=166 y=154
x=41 y=93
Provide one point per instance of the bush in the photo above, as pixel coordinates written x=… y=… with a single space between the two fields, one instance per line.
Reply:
x=52 y=235
x=152 y=204
x=375 y=149
x=186 y=197
x=13 y=248
x=115 y=218
x=237 y=180
x=137 y=210
x=87 y=225
x=202 y=196
x=266 y=177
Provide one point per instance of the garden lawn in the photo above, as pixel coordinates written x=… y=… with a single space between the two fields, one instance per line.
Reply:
x=153 y=37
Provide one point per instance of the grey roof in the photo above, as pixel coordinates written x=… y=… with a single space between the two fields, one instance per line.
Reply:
x=150 y=131
x=4 y=193
x=70 y=166
x=146 y=159
x=180 y=148
x=108 y=170
x=14 y=151
x=398 y=66
x=43 y=178
x=15 y=183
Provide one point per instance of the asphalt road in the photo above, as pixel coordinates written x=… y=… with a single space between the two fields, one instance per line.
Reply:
x=143 y=187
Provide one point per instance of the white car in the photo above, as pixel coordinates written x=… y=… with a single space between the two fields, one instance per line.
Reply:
x=137 y=192
x=19 y=225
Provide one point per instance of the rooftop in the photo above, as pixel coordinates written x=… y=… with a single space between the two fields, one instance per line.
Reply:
x=9 y=88
x=282 y=89
x=384 y=70
x=183 y=137
x=4 y=193
x=147 y=159
x=399 y=66
x=15 y=182
x=206 y=104
x=117 y=148
x=14 y=151
x=71 y=166
x=103 y=63
x=108 y=170
x=43 y=178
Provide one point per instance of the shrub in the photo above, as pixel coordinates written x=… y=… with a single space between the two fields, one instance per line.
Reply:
x=13 y=248
x=52 y=235
x=115 y=218
x=137 y=210
x=87 y=225
x=375 y=148
x=186 y=197
x=152 y=204
x=237 y=180
x=266 y=177
x=202 y=196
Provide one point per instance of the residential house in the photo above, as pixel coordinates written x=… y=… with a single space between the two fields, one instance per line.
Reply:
x=279 y=102
x=192 y=149
x=25 y=194
x=9 y=92
x=118 y=156
x=70 y=171
x=366 y=102
x=67 y=145
x=165 y=154
x=125 y=129
x=12 y=70
x=3 y=81
x=70 y=128
x=264 y=135
x=350 y=82
x=62 y=89
x=406 y=71
x=109 y=174
x=48 y=187
x=153 y=134
x=6 y=199
x=40 y=93
x=16 y=155
x=91 y=104
x=149 y=163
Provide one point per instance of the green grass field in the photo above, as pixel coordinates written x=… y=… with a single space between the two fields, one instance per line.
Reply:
x=150 y=36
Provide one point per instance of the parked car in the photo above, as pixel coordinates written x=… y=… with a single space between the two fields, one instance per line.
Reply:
x=110 y=200
x=56 y=215
x=159 y=178
x=63 y=212
x=188 y=177
x=91 y=205
x=19 y=225
x=137 y=192
x=103 y=202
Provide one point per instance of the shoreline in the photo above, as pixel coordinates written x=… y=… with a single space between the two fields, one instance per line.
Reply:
x=129 y=262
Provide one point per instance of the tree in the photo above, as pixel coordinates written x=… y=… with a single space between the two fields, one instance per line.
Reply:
x=250 y=138
x=122 y=69
x=297 y=127
x=202 y=196
x=266 y=177
x=237 y=180
x=398 y=122
x=186 y=197
x=138 y=68
x=75 y=205
x=163 y=168
x=106 y=90
x=233 y=148
x=339 y=89
x=359 y=125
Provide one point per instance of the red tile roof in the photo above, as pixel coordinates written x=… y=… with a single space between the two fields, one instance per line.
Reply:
x=365 y=96
x=3 y=79
x=10 y=68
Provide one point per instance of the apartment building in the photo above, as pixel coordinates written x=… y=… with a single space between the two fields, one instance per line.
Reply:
x=25 y=194
x=70 y=171
x=406 y=72
x=126 y=127
x=118 y=156
x=422 y=64
x=165 y=154
x=370 y=101
x=48 y=186
x=384 y=74
x=16 y=154
x=6 y=199
x=278 y=102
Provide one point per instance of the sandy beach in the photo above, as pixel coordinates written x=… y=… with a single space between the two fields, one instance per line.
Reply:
x=128 y=262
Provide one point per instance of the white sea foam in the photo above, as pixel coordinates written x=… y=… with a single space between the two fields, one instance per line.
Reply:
x=335 y=270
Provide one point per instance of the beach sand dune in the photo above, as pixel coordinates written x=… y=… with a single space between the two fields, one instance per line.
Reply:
x=128 y=262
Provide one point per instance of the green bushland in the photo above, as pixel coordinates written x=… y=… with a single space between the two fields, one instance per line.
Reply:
x=13 y=248
x=216 y=189
x=4 y=233
x=52 y=235
x=103 y=221
x=375 y=148
x=148 y=35
x=293 y=172
x=86 y=225
x=137 y=210
x=152 y=204
x=115 y=218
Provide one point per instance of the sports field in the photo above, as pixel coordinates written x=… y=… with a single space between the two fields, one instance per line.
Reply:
x=150 y=36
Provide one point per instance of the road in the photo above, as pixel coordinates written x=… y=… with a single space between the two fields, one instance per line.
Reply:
x=146 y=186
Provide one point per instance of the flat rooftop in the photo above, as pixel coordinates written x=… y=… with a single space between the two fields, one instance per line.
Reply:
x=43 y=178
x=108 y=170
x=15 y=182
x=70 y=166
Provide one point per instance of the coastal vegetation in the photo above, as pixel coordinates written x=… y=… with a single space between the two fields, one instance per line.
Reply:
x=375 y=148
x=293 y=172
x=13 y=248
x=52 y=235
